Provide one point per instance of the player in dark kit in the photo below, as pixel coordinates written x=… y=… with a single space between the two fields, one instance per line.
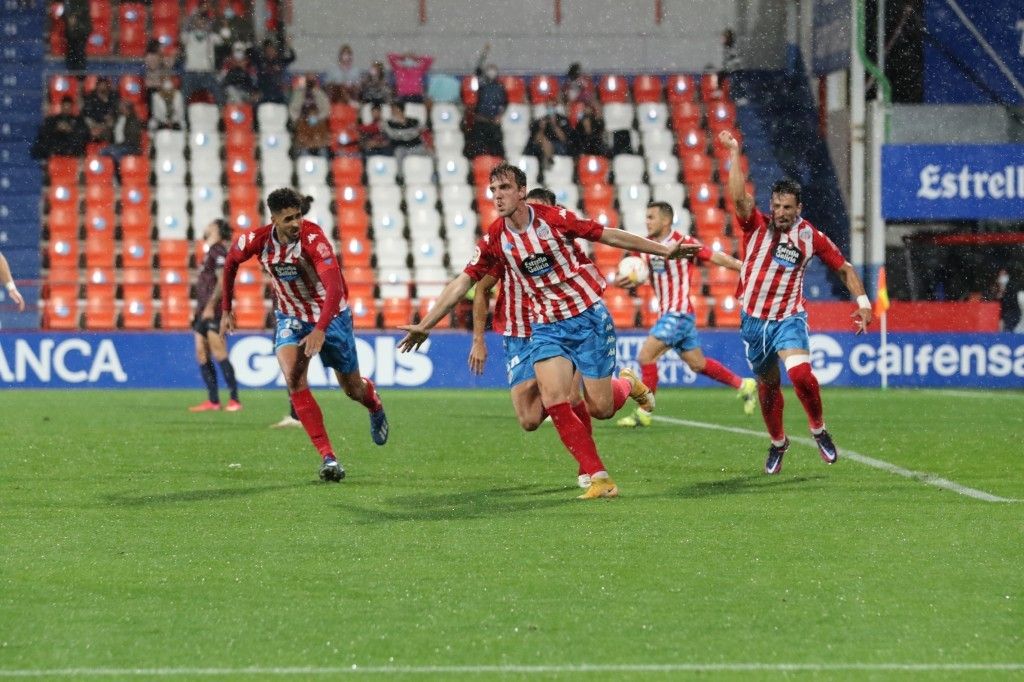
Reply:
x=206 y=324
x=313 y=317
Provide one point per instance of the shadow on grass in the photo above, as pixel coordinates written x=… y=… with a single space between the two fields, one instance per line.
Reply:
x=463 y=505
x=741 y=485
x=208 y=495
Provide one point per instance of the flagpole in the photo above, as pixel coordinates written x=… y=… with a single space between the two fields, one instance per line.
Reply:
x=883 y=368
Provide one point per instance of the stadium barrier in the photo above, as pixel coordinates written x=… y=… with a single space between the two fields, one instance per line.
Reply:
x=164 y=360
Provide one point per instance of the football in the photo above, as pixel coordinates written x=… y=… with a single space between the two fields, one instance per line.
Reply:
x=634 y=269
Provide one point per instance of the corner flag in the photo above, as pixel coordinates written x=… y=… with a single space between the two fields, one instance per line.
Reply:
x=882 y=294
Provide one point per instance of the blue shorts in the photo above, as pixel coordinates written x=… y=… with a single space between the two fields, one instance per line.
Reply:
x=339 y=351
x=677 y=331
x=763 y=339
x=587 y=339
x=518 y=360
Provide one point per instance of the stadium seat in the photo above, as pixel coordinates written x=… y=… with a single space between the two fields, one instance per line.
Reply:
x=131 y=28
x=137 y=312
x=244 y=207
x=172 y=217
x=647 y=89
x=386 y=198
x=657 y=141
x=170 y=171
x=449 y=142
x=605 y=215
x=61 y=86
x=560 y=172
x=364 y=313
x=347 y=170
x=207 y=206
x=99 y=217
x=470 y=86
x=710 y=222
x=420 y=197
x=628 y=169
x=672 y=193
x=686 y=115
x=725 y=162
x=530 y=165
x=63 y=170
x=445 y=116
x=137 y=253
x=612 y=88
x=697 y=168
x=58 y=36
x=394 y=281
x=713 y=88
x=395 y=311
x=417 y=170
x=515 y=88
x=100 y=42
x=704 y=195
x=621 y=306
x=727 y=312
x=61 y=311
x=135 y=171
x=543 y=89
x=272 y=117
x=430 y=281
x=651 y=115
x=453 y=170
x=175 y=306
x=99 y=252
x=598 y=194
x=721 y=114
x=662 y=170
x=416 y=110
x=240 y=142
x=681 y=88
x=618 y=116
x=426 y=304
x=353 y=222
x=482 y=166
x=99 y=170
x=62 y=223
x=355 y=251
x=173 y=254
x=638 y=195
x=567 y=195
x=692 y=140
x=391 y=250
x=203 y=118
x=353 y=196
x=166 y=17
x=428 y=251
x=63 y=253
x=63 y=196
x=241 y=169
x=237 y=117
x=311 y=170
x=250 y=311
x=381 y=170
x=360 y=281
x=592 y=169
x=100 y=304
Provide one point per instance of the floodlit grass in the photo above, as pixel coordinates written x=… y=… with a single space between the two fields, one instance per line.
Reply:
x=137 y=535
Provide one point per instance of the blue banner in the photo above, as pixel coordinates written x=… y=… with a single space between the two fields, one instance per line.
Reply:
x=1000 y=23
x=952 y=182
x=165 y=360
x=831 y=36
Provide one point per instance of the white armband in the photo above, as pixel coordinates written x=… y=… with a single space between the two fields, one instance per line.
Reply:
x=863 y=302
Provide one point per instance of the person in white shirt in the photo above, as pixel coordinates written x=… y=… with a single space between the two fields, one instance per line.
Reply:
x=167 y=110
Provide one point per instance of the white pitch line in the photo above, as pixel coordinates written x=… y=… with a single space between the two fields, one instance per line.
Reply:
x=515 y=669
x=929 y=479
x=991 y=395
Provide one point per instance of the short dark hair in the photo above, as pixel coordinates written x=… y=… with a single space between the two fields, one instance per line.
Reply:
x=542 y=195
x=505 y=169
x=665 y=208
x=286 y=197
x=223 y=228
x=787 y=186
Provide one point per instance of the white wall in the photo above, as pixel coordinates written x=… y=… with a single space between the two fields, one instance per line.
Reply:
x=604 y=35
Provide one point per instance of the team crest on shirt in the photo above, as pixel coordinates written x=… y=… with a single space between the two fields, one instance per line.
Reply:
x=657 y=264
x=537 y=265
x=787 y=255
x=286 y=272
x=476 y=256
x=544 y=232
x=805 y=233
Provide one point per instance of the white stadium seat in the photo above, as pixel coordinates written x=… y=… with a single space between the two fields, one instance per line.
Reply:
x=618 y=116
x=387 y=222
x=633 y=195
x=312 y=170
x=391 y=251
x=456 y=196
x=428 y=251
x=381 y=170
x=417 y=170
x=445 y=116
x=272 y=117
x=560 y=171
x=453 y=170
x=651 y=115
x=566 y=195
x=394 y=281
x=672 y=193
x=207 y=204
x=663 y=170
x=425 y=222
x=172 y=218
x=420 y=196
x=203 y=118
x=628 y=169
x=449 y=142
x=657 y=141
x=386 y=197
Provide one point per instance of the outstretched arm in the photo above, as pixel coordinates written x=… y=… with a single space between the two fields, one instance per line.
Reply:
x=737 y=185
x=452 y=294
x=8 y=282
x=631 y=242
x=726 y=261
x=478 y=351
x=862 y=315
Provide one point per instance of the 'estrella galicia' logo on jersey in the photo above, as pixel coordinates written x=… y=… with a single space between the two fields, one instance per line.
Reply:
x=286 y=272
x=537 y=265
x=657 y=264
x=787 y=255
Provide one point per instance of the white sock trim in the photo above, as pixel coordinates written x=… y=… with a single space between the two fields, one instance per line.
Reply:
x=794 y=360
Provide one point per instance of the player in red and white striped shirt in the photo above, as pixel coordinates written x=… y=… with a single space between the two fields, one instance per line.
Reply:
x=676 y=329
x=569 y=323
x=312 y=314
x=776 y=252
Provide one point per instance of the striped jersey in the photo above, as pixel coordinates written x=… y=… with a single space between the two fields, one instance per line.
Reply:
x=558 y=281
x=671 y=278
x=772 y=276
x=293 y=267
x=511 y=308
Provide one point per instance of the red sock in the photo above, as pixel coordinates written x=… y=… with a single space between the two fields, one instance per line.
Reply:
x=807 y=390
x=312 y=420
x=581 y=411
x=771 y=409
x=575 y=438
x=649 y=373
x=713 y=369
x=370 y=398
x=620 y=391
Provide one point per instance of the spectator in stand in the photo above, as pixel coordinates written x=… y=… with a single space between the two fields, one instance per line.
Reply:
x=310 y=111
x=238 y=76
x=100 y=111
x=549 y=135
x=167 y=108
x=232 y=28
x=271 y=67
x=409 y=70
x=588 y=134
x=77 y=28
x=405 y=134
x=159 y=65
x=344 y=80
x=372 y=140
x=485 y=136
x=198 y=41
x=578 y=86
x=127 y=134
x=63 y=134
x=375 y=87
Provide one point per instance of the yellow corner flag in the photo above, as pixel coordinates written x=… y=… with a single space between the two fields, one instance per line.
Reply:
x=882 y=294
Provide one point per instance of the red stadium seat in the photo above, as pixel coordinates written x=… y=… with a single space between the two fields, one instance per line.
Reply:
x=515 y=88
x=612 y=88
x=99 y=196
x=343 y=115
x=138 y=275
x=137 y=312
x=347 y=170
x=621 y=306
x=250 y=311
x=721 y=115
x=241 y=168
x=685 y=115
x=58 y=29
x=62 y=196
x=62 y=223
x=353 y=222
x=99 y=252
x=134 y=171
x=647 y=89
x=360 y=281
x=710 y=223
x=395 y=311
x=131 y=29
x=692 y=139
x=482 y=166
x=606 y=215
x=703 y=195
x=60 y=277
x=355 y=251
x=63 y=170
x=175 y=306
x=598 y=198
x=137 y=253
x=364 y=313
x=543 y=89
x=727 y=311
x=592 y=169
x=606 y=257
x=100 y=222
x=100 y=43
x=713 y=88
x=725 y=162
x=470 y=85
x=697 y=167
x=62 y=86
x=424 y=308
x=350 y=196
x=487 y=214
x=63 y=253
x=166 y=18
x=173 y=254
x=239 y=142
x=61 y=310
x=99 y=170
x=680 y=88
x=237 y=117
x=249 y=280
x=131 y=88
x=100 y=304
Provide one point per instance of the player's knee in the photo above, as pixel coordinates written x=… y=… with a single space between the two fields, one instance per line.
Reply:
x=697 y=364
x=530 y=422
x=601 y=411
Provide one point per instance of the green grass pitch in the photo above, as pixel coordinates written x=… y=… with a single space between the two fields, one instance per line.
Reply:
x=140 y=540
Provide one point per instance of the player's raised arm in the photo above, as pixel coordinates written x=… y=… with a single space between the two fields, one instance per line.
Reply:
x=478 y=351
x=631 y=242
x=452 y=294
x=737 y=185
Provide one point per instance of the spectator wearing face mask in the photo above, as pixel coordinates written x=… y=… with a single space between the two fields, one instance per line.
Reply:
x=485 y=136
x=310 y=111
x=271 y=65
x=232 y=28
x=167 y=108
x=405 y=133
x=238 y=75
x=343 y=80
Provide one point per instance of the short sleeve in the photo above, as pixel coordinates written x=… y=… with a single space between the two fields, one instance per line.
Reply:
x=576 y=228
x=755 y=220
x=827 y=251
x=483 y=260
